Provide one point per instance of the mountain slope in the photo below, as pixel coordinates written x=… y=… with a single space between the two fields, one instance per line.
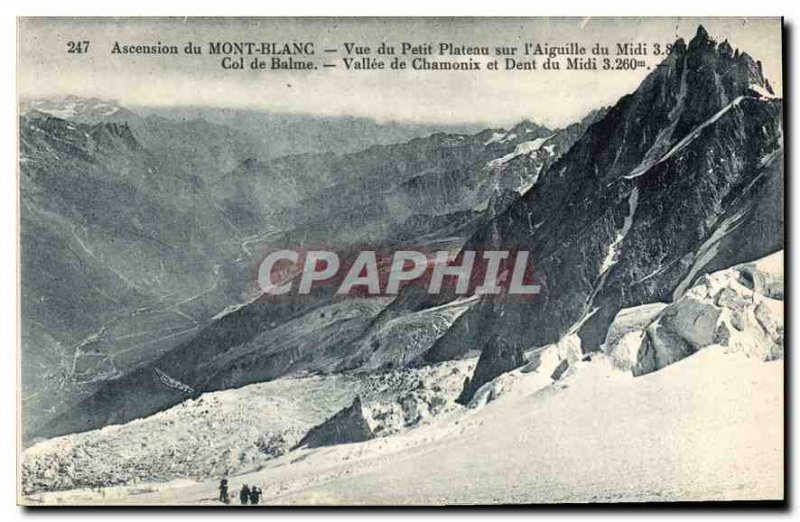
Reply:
x=680 y=178
x=587 y=438
x=728 y=327
x=265 y=339
x=121 y=257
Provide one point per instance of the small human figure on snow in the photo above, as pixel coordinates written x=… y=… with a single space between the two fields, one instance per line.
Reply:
x=223 y=491
x=244 y=495
x=255 y=495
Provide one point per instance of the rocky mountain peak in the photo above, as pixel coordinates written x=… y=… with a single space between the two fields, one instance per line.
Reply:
x=701 y=40
x=527 y=128
x=679 y=47
x=725 y=50
x=78 y=109
x=734 y=73
x=663 y=171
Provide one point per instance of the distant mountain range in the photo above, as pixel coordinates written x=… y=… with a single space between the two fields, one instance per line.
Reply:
x=268 y=134
x=137 y=231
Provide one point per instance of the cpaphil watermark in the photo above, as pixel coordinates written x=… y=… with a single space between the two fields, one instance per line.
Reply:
x=374 y=273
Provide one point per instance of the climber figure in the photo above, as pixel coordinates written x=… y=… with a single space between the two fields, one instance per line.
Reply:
x=223 y=491
x=244 y=495
x=255 y=495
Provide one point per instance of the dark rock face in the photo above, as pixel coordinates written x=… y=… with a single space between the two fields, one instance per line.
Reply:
x=562 y=367
x=346 y=427
x=661 y=347
x=498 y=356
x=681 y=178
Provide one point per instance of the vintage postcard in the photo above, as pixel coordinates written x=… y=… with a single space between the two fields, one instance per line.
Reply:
x=400 y=261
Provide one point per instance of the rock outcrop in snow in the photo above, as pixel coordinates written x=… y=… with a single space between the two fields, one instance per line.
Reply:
x=554 y=359
x=624 y=336
x=551 y=362
x=498 y=356
x=740 y=308
x=347 y=426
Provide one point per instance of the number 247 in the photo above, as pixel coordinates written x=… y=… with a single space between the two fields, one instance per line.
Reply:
x=78 y=47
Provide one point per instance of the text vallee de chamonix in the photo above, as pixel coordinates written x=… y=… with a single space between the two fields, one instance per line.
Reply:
x=374 y=273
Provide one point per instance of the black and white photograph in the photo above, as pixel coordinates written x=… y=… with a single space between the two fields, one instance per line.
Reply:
x=408 y=261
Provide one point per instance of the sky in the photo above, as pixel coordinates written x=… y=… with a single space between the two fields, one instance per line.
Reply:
x=552 y=98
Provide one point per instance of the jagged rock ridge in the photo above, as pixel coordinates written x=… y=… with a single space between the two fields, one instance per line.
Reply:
x=681 y=177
